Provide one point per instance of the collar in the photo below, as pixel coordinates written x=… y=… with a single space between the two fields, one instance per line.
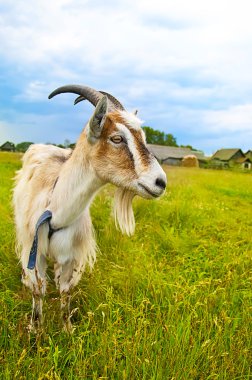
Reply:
x=44 y=218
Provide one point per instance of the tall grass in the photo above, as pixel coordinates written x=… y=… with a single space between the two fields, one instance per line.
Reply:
x=172 y=302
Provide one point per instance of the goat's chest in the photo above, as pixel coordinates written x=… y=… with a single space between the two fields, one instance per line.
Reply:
x=71 y=242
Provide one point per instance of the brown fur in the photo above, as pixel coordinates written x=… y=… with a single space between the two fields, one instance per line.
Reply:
x=145 y=155
x=107 y=155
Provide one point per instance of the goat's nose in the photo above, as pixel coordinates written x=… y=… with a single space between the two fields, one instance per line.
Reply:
x=160 y=183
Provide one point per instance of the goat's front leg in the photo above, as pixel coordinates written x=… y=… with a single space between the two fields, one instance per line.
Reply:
x=37 y=312
x=36 y=281
x=67 y=276
x=63 y=277
x=65 y=300
x=38 y=291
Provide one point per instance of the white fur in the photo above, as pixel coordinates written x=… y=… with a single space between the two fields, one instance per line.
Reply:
x=145 y=175
x=154 y=171
x=131 y=120
x=132 y=146
x=123 y=212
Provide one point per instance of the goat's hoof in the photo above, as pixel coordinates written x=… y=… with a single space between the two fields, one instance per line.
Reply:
x=67 y=326
x=33 y=328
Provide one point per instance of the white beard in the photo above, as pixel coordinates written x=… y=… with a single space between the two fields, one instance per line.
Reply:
x=123 y=212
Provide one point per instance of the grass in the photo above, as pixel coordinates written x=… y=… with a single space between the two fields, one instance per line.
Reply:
x=172 y=302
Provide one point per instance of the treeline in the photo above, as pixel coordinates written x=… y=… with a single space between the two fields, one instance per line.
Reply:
x=153 y=136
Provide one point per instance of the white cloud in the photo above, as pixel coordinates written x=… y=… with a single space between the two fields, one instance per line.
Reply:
x=184 y=64
x=234 y=119
x=35 y=91
x=59 y=31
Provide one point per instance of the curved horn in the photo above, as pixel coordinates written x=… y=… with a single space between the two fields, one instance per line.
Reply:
x=79 y=99
x=115 y=101
x=112 y=99
x=88 y=93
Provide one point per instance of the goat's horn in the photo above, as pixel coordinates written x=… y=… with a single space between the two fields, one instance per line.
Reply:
x=116 y=102
x=113 y=100
x=88 y=93
x=79 y=99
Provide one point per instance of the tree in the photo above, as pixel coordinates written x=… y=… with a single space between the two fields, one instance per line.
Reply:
x=23 y=146
x=170 y=140
x=190 y=147
x=154 y=136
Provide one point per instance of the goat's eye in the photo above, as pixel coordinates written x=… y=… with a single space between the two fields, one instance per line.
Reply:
x=116 y=139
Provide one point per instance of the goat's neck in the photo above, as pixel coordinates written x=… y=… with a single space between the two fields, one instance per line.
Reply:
x=76 y=186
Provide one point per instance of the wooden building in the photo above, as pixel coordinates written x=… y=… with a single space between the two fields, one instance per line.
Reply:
x=173 y=156
x=228 y=158
x=7 y=147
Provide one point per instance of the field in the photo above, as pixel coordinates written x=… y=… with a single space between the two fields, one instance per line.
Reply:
x=172 y=302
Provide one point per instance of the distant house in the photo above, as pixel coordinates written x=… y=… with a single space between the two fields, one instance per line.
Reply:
x=7 y=147
x=173 y=156
x=248 y=154
x=228 y=158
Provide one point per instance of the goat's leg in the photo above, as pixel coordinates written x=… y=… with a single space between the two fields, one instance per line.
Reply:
x=36 y=281
x=66 y=277
x=37 y=314
x=63 y=275
x=65 y=299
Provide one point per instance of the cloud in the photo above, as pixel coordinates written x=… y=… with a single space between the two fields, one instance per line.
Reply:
x=234 y=119
x=42 y=128
x=66 y=38
x=185 y=65
x=35 y=91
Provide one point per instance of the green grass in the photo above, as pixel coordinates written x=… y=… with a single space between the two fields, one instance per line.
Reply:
x=172 y=302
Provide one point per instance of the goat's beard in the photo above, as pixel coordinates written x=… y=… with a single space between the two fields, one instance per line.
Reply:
x=123 y=211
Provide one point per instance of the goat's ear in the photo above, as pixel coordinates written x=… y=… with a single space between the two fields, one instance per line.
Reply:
x=97 y=120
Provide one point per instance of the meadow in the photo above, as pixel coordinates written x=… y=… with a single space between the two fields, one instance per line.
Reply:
x=172 y=302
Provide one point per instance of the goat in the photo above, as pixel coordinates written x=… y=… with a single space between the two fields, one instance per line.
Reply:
x=61 y=183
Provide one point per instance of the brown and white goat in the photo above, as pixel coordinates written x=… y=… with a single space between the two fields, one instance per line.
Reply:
x=110 y=149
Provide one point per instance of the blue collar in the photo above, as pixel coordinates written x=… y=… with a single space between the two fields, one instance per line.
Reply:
x=44 y=218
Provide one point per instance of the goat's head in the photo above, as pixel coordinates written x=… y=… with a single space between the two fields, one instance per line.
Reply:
x=119 y=153
x=118 y=150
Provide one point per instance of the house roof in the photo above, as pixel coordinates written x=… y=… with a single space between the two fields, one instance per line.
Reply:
x=248 y=153
x=162 y=152
x=225 y=154
x=7 y=144
x=241 y=160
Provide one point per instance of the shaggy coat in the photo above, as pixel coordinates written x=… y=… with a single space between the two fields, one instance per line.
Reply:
x=111 y=149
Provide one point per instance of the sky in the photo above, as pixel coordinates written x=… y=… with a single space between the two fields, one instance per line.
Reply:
x=186 y=66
